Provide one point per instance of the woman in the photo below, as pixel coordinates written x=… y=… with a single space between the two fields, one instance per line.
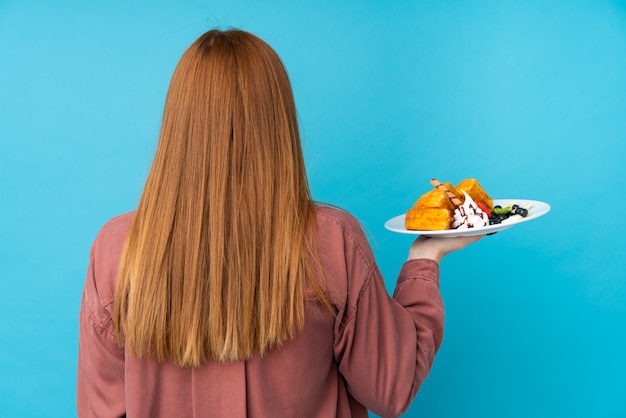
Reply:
x=228 y=292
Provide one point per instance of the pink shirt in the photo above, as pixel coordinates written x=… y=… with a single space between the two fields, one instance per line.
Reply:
x=373 y=355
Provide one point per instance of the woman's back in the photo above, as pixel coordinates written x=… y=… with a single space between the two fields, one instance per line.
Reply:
x=373 y=354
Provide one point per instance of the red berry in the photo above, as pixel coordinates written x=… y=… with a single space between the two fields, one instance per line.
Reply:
x=485 y=209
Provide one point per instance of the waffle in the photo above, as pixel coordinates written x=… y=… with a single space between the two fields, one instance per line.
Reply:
x=438 y=198
x=475 y=191
x=433 y=210
x=428 y=219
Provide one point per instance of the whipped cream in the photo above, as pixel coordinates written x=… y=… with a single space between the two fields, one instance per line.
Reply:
x=469 y=215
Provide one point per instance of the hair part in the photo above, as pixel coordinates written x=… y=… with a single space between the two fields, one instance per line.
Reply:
x=218 y=254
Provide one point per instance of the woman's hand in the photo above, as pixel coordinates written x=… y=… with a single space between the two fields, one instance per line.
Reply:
x=437 y=248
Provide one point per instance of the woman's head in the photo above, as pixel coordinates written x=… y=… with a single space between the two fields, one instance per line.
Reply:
x=216 y=258
x=230 y=109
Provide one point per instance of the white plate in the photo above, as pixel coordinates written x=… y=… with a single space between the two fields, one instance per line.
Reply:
x=535 y=210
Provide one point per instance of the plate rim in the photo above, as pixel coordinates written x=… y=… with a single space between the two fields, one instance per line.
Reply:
x=451 y=233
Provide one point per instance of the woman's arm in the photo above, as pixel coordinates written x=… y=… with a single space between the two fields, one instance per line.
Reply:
x=385 y=347
x=100 y=378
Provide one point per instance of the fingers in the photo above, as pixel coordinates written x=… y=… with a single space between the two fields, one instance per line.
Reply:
x=458 y=243
x=437 y=248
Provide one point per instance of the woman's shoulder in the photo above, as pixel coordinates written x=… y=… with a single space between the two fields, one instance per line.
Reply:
x=106 y=250
x=109 y=243
x=118 y=224
x=335 y=215
x=114 y=229
x=335 y=221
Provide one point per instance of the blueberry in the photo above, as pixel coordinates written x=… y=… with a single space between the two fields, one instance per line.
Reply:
x=522 y=212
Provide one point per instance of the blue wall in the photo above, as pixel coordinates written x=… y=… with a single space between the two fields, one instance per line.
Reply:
x=528 y=97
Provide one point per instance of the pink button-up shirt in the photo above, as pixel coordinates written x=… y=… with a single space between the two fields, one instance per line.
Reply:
x=373 y=355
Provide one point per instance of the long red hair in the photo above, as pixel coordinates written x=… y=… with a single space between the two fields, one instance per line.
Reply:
x=217 y=257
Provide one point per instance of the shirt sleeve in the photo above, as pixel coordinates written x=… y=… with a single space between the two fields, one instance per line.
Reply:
x=100 y=378
x=385 y=347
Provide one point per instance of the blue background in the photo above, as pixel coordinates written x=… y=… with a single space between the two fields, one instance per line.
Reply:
x=528 y=97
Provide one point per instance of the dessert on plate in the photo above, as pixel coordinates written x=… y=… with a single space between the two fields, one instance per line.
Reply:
x=466 y=205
